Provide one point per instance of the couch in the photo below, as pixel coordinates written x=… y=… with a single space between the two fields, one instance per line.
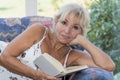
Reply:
x=12 y=27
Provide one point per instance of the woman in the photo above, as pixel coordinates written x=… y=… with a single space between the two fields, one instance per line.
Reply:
x=70 y=25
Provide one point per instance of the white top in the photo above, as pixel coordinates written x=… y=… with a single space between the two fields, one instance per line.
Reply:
x=26 y=58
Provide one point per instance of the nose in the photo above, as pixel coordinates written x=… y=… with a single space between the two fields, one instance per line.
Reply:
x=68 y=29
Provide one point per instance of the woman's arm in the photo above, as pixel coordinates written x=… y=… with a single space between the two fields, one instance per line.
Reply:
x=98 y=57
x=16 y=47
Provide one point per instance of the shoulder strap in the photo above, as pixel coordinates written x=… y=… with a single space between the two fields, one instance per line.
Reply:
x=66 y=58
x=44 y=35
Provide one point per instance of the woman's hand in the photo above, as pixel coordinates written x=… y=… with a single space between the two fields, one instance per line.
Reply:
x=79 y=40
x=40 y=75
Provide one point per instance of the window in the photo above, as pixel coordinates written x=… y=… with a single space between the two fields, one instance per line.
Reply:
x=12 y=8
x=21 y=8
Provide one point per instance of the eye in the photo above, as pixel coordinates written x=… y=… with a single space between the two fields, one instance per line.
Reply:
x=76 y=27
x=64 y=22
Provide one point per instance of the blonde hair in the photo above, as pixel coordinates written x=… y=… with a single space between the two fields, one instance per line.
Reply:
x=75 y=10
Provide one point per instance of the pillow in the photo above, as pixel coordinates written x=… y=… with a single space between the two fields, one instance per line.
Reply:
x=45 y=21
x=12 y=27
x=2 y=46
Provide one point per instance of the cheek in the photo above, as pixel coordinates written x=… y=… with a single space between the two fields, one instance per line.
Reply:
x=58 y=30
x=75 y=34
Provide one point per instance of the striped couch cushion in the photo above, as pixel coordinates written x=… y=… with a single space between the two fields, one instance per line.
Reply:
x=11 y=27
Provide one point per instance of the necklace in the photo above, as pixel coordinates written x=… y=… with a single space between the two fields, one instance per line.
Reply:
x=60 y=53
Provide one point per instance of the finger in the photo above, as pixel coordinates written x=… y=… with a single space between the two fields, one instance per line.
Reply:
x=49 y=77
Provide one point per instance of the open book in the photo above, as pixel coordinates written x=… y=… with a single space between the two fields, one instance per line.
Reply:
x=53 y=67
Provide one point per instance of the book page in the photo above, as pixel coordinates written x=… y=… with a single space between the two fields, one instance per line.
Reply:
x=48 y=64
x=75 y=68
x=54 y=62
x=72 y=69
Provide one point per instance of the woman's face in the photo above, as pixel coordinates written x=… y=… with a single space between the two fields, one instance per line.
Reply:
x=66 y=30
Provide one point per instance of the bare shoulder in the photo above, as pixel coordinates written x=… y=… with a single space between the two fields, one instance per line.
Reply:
x=35 y=29
x=78 y=57
x=26 y=39
x=34 y=33
x=74 y=55
x=77 y=52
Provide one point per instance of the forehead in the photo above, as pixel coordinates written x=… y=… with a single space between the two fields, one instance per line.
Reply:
x=71 y=18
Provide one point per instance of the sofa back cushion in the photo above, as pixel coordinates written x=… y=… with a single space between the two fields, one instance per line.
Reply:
x=12 y=27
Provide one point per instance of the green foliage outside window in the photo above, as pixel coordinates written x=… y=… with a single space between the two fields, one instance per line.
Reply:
x=105 y=28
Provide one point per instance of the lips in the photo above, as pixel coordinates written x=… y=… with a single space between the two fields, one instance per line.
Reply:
x=66 y=37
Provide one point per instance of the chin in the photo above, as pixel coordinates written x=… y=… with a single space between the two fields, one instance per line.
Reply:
x=64 y=42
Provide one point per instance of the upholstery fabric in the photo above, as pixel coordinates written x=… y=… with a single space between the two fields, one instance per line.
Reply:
x=11 y=27
x=93 y=74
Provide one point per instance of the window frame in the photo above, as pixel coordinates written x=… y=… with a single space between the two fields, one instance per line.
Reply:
x=31 y=7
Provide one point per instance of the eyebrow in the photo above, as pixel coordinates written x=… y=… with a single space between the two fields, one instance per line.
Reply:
x=75 y=24
x=66 y=20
